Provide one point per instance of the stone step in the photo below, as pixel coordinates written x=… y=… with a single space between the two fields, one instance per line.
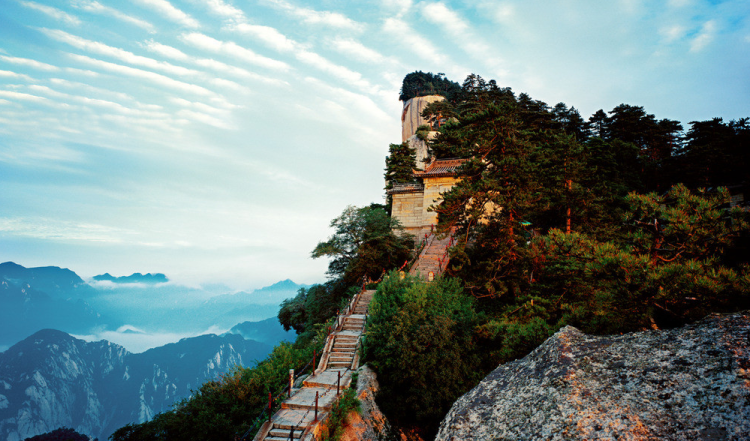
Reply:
x=341 y=356
x=304 y=399
x=338 y=365
x=281 y=434
x=329 y=379
x=286 y=419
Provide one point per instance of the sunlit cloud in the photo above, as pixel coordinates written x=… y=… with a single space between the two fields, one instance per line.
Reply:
x=30 y=63
x=168 y=11
x=120 y=54
x=268 y=35
x=98 y=8
x=358 y=51
x=54 y=13
x=231 y=49
x=311 y=16
x=143 y=74
x=10 y=74
x=224 y=10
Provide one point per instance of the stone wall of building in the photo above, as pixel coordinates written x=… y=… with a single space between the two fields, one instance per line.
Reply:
x=407 y=208
x=432 y=189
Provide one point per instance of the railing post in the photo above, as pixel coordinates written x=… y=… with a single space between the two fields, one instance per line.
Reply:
x=291 y=434
x=291 y=381
x=316 y=406
x=270 y=406
x=315 y=355
x=338 y=384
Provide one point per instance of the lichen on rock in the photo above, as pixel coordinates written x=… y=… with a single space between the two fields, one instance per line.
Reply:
x=691 y=383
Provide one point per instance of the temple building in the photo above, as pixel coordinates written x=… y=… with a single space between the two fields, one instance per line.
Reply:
x=411 y=201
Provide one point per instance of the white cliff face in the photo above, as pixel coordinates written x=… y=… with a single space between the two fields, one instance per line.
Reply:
x=691 y=383
x=411 y=117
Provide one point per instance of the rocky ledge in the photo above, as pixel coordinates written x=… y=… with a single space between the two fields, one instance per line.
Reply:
x=691 y=383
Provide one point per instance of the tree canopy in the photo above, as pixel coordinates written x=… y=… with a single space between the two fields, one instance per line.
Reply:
x=421 y=84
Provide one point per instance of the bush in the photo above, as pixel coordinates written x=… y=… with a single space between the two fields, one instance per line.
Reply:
x=421 y=343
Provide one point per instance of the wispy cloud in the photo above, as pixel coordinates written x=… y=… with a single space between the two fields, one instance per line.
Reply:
x=311 y=16
x=30 y=63
x=120 y=54
x=153 y=77
x=98 y=8
x=54 y=13
x=462 y=33
x=231 y=49
x=214 y=65
x=224 y=10
x=168 y=11
x=412 y=40
x=268 y=35
x=95 y=102
x=10 y=74
x=704 y=37
x=278 y=41
x=358 y=51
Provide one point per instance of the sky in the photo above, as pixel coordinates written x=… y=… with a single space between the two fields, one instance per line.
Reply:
x=214 y=140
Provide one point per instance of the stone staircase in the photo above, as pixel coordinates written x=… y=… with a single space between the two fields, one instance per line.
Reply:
x=296 y=420
x=430 y=258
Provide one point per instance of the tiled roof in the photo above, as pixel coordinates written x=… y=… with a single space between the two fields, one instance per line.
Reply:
x=440 y=167
x=406 y=188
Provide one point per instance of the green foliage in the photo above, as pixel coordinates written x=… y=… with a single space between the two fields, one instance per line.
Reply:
x=227 y=407
x=420 y=341
x=339 y=416
x=421 y=84
x=366 y=242
x=61 y=434
x=314 y=305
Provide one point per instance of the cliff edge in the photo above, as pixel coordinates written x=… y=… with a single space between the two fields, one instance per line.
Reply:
x=691 y=383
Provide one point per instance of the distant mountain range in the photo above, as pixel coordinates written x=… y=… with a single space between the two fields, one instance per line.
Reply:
x=51 y=379
x=50 y=297
x=133 y=278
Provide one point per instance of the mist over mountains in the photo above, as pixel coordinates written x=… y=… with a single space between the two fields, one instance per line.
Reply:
x=139 y=311
x=174 y=339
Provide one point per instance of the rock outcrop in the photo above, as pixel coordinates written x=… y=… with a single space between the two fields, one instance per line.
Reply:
x=411 y=117
x=370 y=423
x=691 y=383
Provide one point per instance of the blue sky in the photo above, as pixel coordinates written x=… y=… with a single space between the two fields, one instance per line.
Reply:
x=214 y=140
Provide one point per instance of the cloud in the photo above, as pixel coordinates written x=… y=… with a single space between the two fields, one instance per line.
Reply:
x=358 y=51
x=217 y=66
x=156 y=78
x=109 y=105
x=416 y=43
x=30 y=63
x=9 y=74
x=21 y=96
x=204 y=42
x=268 y=35
x=120 y=54
x=222 y=9
x=325 y=18
x=704 y=37
x=281 y=43
x=54 y=13
x=462 y=33
x=165 y=51
x=168 y=11
x=60 y=230
x=98 y=8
